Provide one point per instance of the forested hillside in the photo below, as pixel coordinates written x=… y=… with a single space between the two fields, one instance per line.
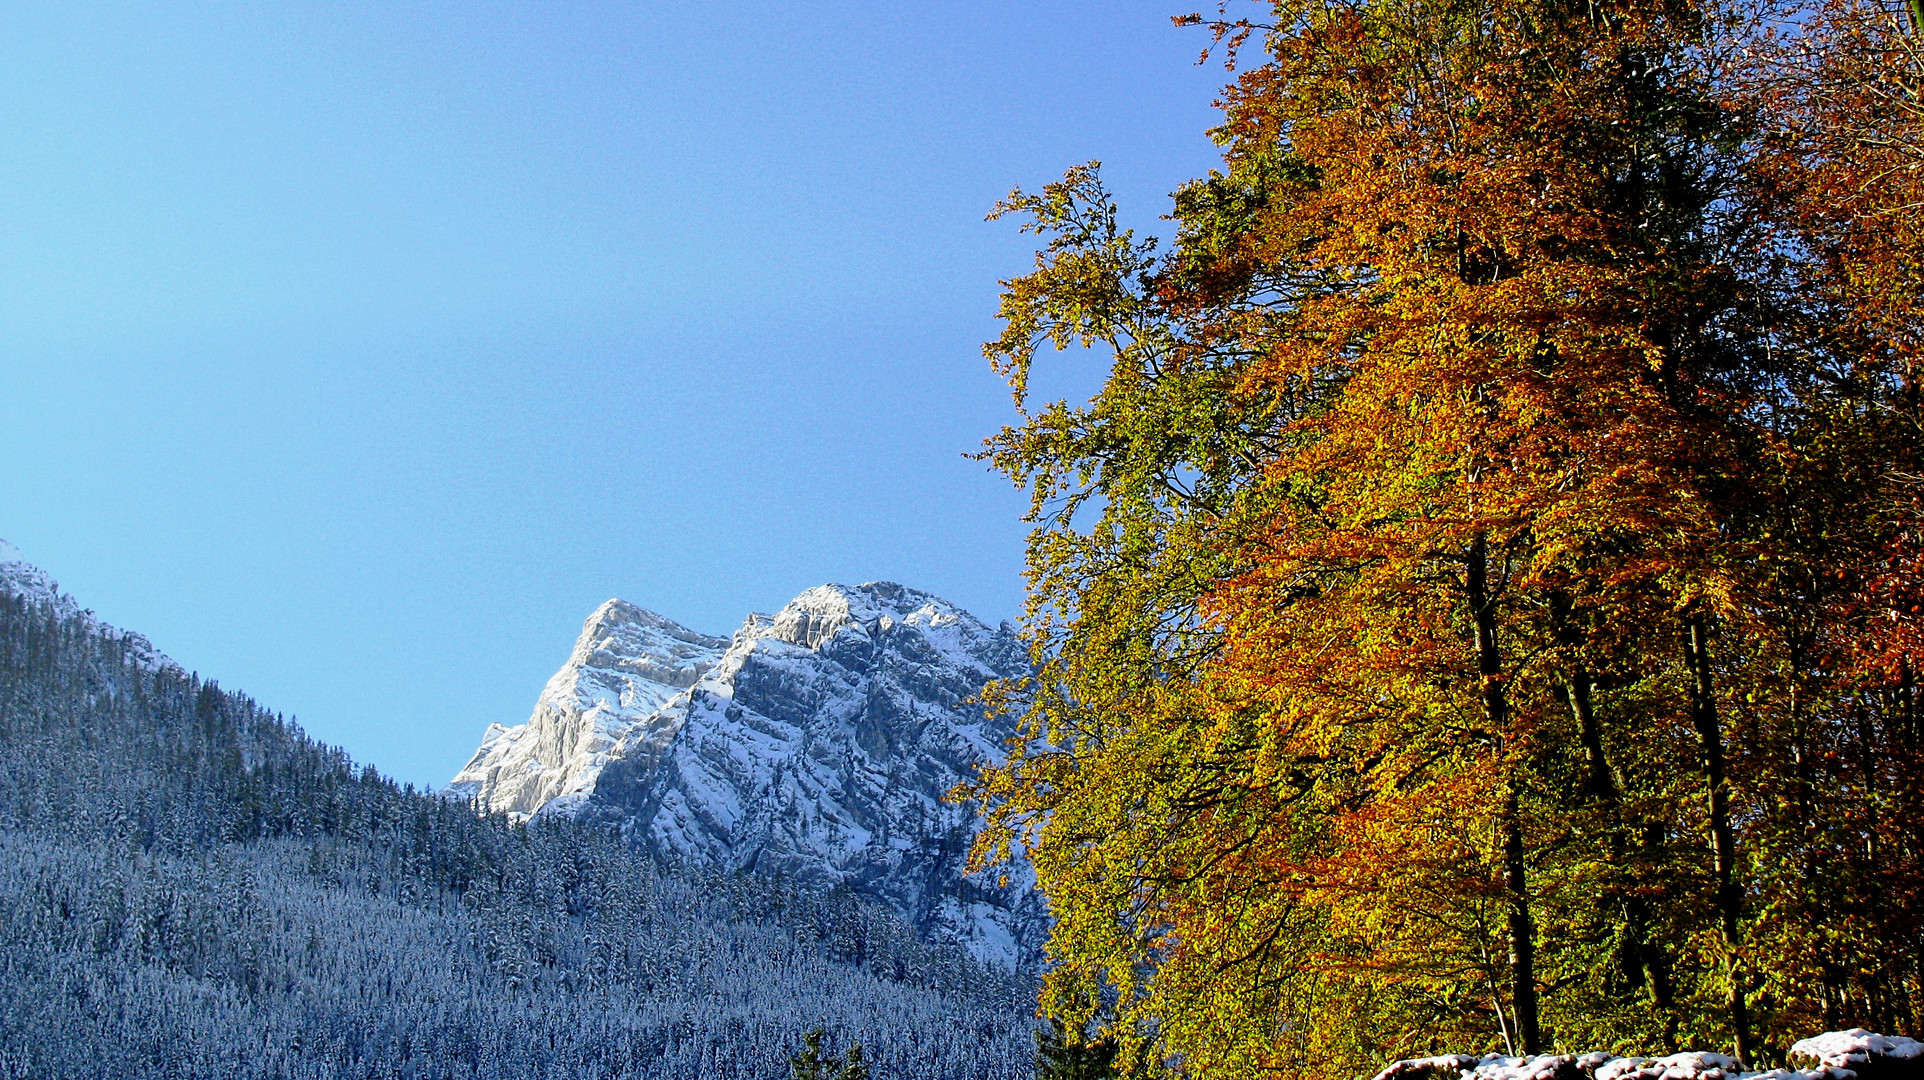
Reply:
x=191 y=887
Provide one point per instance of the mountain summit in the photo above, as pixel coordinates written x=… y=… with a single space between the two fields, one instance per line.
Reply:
x=23 y=579
x=626 y=665
x=817 y=745
x=190 y=886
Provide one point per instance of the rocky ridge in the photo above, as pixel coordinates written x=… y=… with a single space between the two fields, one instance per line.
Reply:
x=627 y=664
x=20 y=578
x=816 y=744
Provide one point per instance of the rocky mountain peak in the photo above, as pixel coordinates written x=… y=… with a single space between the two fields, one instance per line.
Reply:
x=620 y=637
x=873 y=607
x=627 y=663
x=818 y=745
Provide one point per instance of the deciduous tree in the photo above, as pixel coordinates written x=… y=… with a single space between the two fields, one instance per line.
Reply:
x=1420 y=649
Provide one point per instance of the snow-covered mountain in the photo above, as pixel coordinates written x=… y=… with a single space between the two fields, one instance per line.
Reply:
x=626 y=665
x=18 y=577
x=817 y=744
x=23 y=579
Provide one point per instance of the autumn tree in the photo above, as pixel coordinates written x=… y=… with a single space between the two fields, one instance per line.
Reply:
x=1837 y=752
x=1411 y=603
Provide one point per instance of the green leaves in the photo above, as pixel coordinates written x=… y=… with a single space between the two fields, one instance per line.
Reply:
x=1087 y=286
x=809 y=1064
x=1063 y=1055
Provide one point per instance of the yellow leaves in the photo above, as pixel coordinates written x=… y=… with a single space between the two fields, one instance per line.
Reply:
x=1085 y=289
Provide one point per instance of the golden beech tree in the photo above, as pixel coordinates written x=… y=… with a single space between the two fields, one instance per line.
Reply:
x=1833 y=643
x=1428 y=649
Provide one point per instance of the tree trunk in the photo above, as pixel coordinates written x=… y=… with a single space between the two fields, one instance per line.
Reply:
x=1516 y=882
x=1723 y=842
x=1522 y=927
x=1640 y=961
x=1602 y=783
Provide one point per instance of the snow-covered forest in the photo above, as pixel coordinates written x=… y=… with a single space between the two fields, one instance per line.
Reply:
x=191 y=887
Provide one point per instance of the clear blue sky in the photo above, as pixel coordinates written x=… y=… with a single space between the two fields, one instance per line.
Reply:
x=356 y=352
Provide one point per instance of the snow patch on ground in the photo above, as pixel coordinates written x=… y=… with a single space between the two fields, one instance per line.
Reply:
x=1848 y=1049
x=1834 y=1055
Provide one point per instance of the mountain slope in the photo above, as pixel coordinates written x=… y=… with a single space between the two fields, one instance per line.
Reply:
x=191 y=887
x=34 y=586
x=818 y=747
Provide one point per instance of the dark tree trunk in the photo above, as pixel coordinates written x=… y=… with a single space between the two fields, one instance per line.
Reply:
x=1600 y=781
x=1723 y=842
x=1641 y=962
x=1516 y=881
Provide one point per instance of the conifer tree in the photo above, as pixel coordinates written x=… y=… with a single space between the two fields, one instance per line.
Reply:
x=810 y=1064
x=1061 y=1055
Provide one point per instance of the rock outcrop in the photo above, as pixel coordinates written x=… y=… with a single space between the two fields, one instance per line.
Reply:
x=627 y=664
x=20 y=578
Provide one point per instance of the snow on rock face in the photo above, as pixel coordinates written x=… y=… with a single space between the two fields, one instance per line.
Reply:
x=818 y=746
x=25 y=580
x=626 y=665
x=20 y=578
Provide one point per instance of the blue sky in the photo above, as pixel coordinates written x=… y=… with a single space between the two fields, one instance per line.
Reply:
x=356 y=352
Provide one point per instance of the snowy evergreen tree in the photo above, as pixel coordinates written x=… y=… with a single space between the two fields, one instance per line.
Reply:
x=812 y=1064
x=1065 y=1055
